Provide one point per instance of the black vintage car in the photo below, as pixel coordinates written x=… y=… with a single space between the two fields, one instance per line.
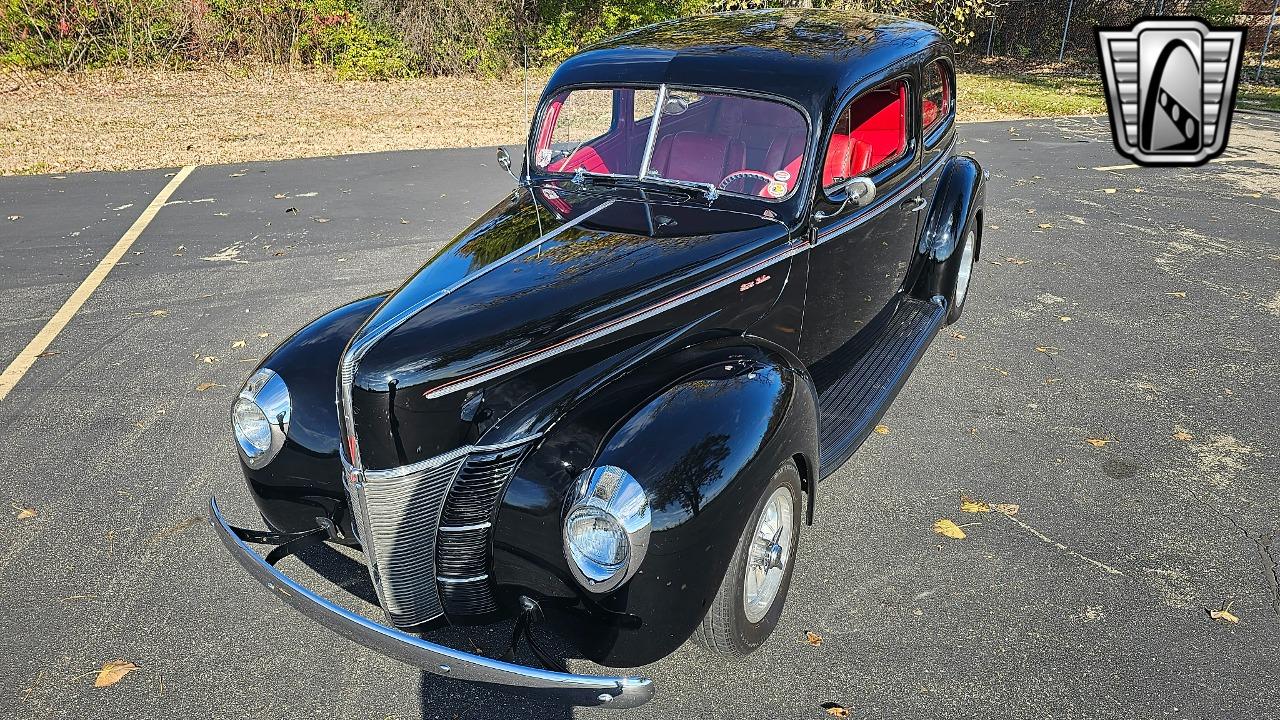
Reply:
x=604 y=410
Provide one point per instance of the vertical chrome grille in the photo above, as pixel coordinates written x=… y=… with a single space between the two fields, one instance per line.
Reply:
x=425 y=530
x=402 y=512
x=462 y=554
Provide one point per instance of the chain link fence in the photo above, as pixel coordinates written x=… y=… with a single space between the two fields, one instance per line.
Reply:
x=1063 y=30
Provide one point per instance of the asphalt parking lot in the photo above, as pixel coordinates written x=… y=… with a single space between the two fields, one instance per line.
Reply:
x=1135 y=306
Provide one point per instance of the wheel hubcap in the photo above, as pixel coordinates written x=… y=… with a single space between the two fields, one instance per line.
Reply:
x=965 y=270
x=768 y=555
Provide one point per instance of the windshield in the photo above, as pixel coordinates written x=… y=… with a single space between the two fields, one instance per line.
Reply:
x=737 y=144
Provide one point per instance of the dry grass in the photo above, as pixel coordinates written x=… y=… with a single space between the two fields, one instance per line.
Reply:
x=131 y=119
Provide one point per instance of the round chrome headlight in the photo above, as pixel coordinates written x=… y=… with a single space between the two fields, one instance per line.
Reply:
x=606 y=528
x=260 y=418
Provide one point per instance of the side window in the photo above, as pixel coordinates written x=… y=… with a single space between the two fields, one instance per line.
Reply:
x=936 y=99
x=869 y=134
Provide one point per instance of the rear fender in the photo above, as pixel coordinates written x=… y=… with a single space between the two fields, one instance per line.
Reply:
x=957 y=203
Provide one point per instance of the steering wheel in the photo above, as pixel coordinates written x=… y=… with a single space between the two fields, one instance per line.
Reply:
x=742 y=174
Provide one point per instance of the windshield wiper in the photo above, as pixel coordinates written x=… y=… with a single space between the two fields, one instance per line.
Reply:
x=709 y=190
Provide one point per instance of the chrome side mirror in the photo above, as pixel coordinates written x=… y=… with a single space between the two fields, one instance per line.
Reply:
x=857 y=190
x=504 y=162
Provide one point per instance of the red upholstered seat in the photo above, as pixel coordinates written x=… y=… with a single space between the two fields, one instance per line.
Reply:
x=586 y=158
x=696 y=156
x=860 y=158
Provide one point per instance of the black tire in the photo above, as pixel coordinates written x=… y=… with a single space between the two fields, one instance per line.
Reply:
x=966 y=253
x=726 y=630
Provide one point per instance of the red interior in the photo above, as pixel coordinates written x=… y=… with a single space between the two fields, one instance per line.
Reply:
x=717 y=135
x=873 y=130
x=933 y=109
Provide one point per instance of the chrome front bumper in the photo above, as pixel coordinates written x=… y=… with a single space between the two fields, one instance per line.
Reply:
x=583 y=690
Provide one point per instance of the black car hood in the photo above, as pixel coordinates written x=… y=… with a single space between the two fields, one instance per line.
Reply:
x=523 y=278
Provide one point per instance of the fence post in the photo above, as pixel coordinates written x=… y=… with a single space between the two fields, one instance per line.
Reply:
x=1266 y=41
x=1063 y=50
x=991 y=33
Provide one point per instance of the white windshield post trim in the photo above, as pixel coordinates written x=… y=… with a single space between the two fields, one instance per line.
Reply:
x=653 y=131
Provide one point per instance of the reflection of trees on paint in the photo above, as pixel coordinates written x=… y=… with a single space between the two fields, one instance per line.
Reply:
x=506 y=229
x=788 y=31
x=700 y=467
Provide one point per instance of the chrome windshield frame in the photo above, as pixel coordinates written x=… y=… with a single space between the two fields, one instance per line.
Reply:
x=663 y=90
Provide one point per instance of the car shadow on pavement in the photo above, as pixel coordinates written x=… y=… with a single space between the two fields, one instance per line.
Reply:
x=442 y=697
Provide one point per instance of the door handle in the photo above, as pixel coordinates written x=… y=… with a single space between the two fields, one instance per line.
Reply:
x=915 y=204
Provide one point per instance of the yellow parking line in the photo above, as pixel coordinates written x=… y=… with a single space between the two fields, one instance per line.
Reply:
x=21 y=364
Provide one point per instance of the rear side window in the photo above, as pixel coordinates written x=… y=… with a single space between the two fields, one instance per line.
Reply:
x=936 y=99
x=869 y=134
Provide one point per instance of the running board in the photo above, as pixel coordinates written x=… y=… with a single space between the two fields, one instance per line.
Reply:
x=857 y=383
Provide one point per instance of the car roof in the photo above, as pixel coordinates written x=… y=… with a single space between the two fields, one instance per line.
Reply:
x=809 y=56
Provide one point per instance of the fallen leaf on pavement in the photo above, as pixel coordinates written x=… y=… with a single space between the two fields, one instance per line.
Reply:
x=949 y=529
x=1225 y=614
x=291 y=211
x=279 y=196
x=958 y=336
x=1006 y=508
x=1050 y=381
x=1098 y=442
x=1017 y=261
x=835 y=710
x=25 y=513
x=1178 y=294
x=812 y=638
x=210 y=359
x=205 y=386
x=1109 y=191
x=159 y=313
x=237 y=344
x=112 y=672
x=264 y=335
x=322 y=220
x=1046 y=348
x=1002 y=371
x=1183 y=435
x=882 y=429
x=969 y=505
x=14 y=218
x=1045 y=226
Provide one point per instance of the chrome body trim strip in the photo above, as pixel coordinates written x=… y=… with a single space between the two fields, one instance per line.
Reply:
x=456 y=581
x=465 y=528
x=443 y=458
x=791 y=249
x=583 y=690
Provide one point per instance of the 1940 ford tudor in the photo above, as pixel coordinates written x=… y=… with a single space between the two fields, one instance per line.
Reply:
x=606 y=407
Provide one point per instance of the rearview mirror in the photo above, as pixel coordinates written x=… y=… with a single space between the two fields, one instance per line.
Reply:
x=504 y=160
x=857 y=190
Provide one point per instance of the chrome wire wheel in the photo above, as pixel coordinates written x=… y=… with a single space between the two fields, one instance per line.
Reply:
x=965 y=271
x=768 y=555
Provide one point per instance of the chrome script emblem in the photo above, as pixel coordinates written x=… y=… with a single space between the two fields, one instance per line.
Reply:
x=1171 y=86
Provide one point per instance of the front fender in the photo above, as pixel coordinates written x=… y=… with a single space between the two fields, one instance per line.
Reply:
x=703 y=447
x=305 y=480
x=960 y=196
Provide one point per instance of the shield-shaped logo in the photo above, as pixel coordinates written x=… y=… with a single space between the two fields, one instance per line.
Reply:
x=1171 y=87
